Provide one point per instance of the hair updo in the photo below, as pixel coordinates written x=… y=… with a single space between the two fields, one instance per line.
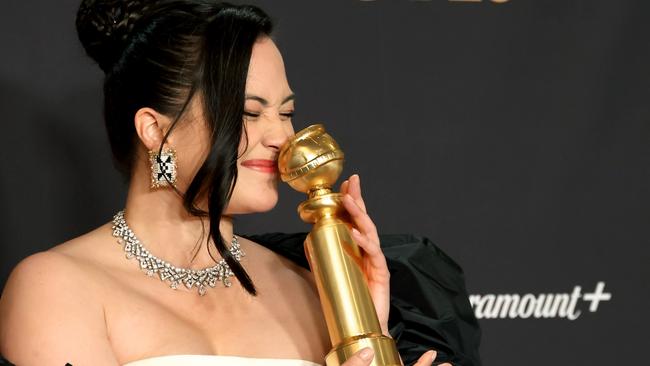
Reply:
x=159 y=54
x=104 y=27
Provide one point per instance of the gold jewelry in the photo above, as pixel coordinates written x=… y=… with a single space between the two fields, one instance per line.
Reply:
x=163 y=167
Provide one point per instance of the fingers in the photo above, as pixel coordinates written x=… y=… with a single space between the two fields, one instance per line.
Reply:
x=358 y=215
x=344 y=187
x=366 y=234
x=427 y=359
x=371 y=247
x=354 y=189
x=363 y=357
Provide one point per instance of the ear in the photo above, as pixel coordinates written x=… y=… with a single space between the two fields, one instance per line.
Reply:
x=150 y=127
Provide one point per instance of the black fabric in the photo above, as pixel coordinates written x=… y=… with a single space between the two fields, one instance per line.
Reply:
x=430 y=306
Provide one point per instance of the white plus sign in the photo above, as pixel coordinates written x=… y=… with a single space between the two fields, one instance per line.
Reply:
x=597 y=296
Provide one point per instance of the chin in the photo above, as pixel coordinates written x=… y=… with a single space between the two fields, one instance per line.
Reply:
x=264 y=205
x=254 y=192
x=260 y=202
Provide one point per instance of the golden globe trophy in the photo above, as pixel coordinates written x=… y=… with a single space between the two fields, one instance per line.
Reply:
x=311 y=162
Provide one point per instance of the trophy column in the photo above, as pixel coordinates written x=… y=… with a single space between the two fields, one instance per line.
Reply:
x=311 y=162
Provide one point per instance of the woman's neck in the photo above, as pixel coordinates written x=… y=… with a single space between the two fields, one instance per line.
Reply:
x=167 y=230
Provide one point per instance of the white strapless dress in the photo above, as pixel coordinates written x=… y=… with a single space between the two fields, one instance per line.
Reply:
x=215 y=360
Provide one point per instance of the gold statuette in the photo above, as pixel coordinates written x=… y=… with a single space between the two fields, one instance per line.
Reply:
x=311 y=162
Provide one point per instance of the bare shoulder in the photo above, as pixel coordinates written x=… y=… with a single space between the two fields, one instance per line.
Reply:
x=50 y=312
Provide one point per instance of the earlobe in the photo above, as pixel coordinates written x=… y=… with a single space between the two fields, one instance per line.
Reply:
x=150 y=126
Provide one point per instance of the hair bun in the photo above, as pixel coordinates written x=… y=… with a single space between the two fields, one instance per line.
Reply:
x=104 y=27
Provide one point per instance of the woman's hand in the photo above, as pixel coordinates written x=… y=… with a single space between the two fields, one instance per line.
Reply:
x=361 y=359
x=365 y=235
x=374 y=267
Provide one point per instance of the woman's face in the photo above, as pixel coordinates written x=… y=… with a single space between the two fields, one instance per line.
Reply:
x=267 y=121
x=267 y=125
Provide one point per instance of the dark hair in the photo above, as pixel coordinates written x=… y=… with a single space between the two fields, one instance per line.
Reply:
x=159 y=54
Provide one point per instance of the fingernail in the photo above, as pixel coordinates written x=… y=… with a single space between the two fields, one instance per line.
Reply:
x=355 y=231
x=366 y=353
x=432 y=355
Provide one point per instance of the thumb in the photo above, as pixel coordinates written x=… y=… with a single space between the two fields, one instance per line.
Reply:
x=427 y=358
x=362 y=357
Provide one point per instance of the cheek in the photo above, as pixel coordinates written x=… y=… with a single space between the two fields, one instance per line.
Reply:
x=249 y=138
x=290 y=129
x=243 y=145
x=253 y=193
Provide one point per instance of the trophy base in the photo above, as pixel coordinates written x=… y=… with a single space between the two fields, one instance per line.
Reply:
x=385 y=351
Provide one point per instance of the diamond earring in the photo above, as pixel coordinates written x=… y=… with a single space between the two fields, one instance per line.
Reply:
x=163 y=167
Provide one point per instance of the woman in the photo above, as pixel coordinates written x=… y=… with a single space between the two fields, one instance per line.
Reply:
x=197 y=105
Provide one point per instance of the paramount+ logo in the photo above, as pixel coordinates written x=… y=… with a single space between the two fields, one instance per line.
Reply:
x=538 y=306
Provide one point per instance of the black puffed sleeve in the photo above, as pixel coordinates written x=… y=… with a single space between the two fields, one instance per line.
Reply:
x=429 y=305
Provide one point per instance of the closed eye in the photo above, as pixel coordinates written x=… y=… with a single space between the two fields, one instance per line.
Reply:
x=255 y=115
x=249 y=114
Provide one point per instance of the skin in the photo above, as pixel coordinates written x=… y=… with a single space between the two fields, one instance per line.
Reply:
x=82 y=302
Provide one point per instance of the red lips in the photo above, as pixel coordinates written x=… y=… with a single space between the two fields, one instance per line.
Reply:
x=261 y=165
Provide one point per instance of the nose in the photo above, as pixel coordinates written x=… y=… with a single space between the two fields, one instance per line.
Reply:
x=277 y=134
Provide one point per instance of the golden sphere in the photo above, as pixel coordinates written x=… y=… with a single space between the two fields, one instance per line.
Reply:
x=310 y=160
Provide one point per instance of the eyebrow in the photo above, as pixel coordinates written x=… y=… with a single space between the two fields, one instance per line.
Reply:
x=266 y=102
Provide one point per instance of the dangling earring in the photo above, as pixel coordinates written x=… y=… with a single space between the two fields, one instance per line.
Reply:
x=163 y=167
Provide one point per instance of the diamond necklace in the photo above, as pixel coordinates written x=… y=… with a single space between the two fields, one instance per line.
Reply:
x=150 y=264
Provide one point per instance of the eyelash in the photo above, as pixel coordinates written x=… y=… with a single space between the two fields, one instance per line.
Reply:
x=249 y=114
